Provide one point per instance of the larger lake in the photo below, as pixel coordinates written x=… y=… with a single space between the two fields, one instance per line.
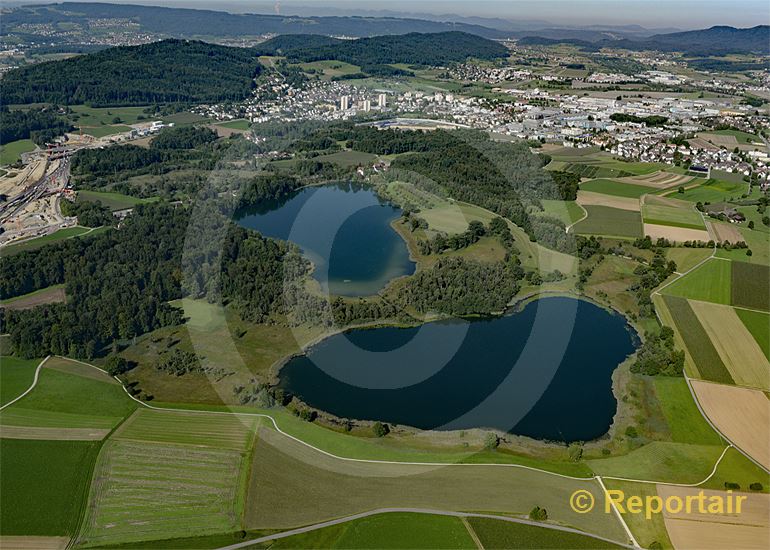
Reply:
x=544 y=372
x=344 y=229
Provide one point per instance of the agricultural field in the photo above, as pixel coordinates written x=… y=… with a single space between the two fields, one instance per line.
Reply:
x=685 y=422
x=603 y=220
x=615 y=188
x=748 y=530
x=103 y=131
x=11 y=152
x=184 y=474
x=687 y=258
x=675 y=234
x=494 y=533
x=660 y=180
x=758 y=324
x=101 y=116
x=241 y=124
x=329 y=68
x=405 y=530
x=290 y=484
x=44 y=484
x=587 y=198
x=751 y=286
x=705 y=357
x=714 y=191
x=16 y=376
x=728 y=407
x=646 y=532
x=662 y=211
x=726 y=232
x=567 y=211
x=740 y=353
x=711 y=282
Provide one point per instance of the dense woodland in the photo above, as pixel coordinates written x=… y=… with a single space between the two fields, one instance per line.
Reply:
x=413 y=48
x=39 y=125
x=160 y=72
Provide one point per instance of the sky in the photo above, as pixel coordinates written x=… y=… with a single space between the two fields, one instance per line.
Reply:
x=684 y=14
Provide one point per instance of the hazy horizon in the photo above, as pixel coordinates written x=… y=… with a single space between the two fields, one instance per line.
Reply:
x=684 y=14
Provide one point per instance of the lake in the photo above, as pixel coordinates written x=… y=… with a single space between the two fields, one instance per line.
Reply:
x=343 y=229
x=544 y=372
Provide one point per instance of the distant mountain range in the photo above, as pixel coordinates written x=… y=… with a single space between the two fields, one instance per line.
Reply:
x=194 y=23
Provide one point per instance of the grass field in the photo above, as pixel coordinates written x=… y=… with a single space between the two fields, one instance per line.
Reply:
x=706 y=359
x=113 y=201
x=603 y=220
x=67 y=400
x=566 y=211
x=386 y=531
x=751 y=286
x=16 y=376
x=714 y=191
x=329 y=68
x=45 y=484
x=99 y=116
x=758 y=324
x=687 y=258
x=49 y=295
x=736 y=468
x=290 y=485
x=617 y=188
x=646 y=532
x=347 y=159
x=107 y=130
x=34 y=244
x=11 y=152
x=183 y=475
x=685 y=216
x=183 y=119
x=685 y=421
x=758 y=242
x=502 y=534
x=236 y=124
x=711 y=282
x=740 y=353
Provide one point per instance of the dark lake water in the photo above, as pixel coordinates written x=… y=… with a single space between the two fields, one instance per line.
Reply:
x=344 y=229
x=544 y=372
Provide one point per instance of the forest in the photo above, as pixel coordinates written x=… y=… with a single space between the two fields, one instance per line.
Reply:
x=413 y=48
x=169 y=71
x=39 y=125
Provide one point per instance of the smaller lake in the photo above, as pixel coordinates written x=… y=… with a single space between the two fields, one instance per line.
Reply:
x=343 y=229
x=544 y=372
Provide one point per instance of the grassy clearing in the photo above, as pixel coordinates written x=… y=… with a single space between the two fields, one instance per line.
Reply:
x=390 y=530
x=11 y=152
x=45 y=484
x=16 y=376
x=736 y=468
x=705 y=357
x=241 y=124
x=662 y=461
x=99 y=116
x=646 y=532
x=758 y=324
x=504 y=534
x=34 y=244
x=329 y=68
x=616 y=188
x=67 y=400
x=687 y=258
x=685 y=421
x=603 y=220
x=291 y=484
x=50 y=295
x=347 y=159
x=183 y=473
x=751 y=285
x=711 y=282
x=567 y=211
x=113 y=201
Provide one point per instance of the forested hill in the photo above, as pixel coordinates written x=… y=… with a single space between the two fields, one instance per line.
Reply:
x=161 y=72
x=412 y=48
x=714 y=41
x=179 y=22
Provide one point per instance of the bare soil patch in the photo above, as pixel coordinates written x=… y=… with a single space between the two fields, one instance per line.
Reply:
x=588 y=198
x=676 y=234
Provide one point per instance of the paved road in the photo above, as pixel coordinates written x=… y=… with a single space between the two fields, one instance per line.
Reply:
x=354 y=517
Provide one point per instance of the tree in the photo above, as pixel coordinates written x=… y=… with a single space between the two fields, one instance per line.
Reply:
x=115 y=365
x=751 y=224
x=380 y=430
x=491 y=441
x=538 y=514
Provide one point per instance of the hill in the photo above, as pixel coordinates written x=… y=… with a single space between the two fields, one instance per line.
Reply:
x=715 y=41
x=412 y=48
x=161 y=72
x=179 y=22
